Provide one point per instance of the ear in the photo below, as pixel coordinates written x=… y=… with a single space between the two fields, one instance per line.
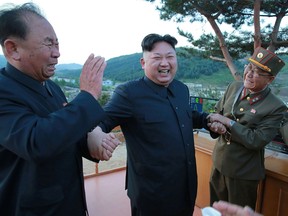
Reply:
x=142 y=62
x=10 y=49
x=271 y=79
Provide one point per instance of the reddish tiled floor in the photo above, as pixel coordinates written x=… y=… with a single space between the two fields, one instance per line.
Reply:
x=106 y=195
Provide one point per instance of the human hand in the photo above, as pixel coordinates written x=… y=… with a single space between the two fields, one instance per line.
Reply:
x=92 y=75
x=215 y=117
x=217 y=127
x=229 y=209
x=101 y=145
x=109 y=144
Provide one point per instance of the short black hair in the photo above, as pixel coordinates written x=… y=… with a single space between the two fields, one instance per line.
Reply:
x=149 y=41
x=13 y=20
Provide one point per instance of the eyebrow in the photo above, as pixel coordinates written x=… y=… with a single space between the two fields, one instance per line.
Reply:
x=49 y=39
x=168 y=53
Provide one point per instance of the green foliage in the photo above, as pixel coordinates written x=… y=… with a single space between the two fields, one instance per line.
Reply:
x=191 y=66
x=237 y=14
x=222 y=77
x=124 y=68
x=69 y=74
x=194 y=67
x=63 y=82
x=209 y=106
x=104 y=98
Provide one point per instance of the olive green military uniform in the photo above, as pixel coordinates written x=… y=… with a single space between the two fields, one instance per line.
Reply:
x=238 y=156
x=284 y=128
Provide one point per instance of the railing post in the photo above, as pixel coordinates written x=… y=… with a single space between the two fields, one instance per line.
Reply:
x=96 y=168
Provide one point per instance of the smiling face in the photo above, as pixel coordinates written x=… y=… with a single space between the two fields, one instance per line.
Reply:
x=38 y=54
x=256 y=79
x=160 y=64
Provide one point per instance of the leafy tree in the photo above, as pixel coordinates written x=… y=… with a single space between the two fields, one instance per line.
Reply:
x=237 y=14
x=105 y=96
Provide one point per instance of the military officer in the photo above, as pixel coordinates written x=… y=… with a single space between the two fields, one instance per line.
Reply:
x=252 y=116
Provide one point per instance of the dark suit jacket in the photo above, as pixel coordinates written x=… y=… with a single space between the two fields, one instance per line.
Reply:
x=41 y=146
x=258 y=120
x=158 y=128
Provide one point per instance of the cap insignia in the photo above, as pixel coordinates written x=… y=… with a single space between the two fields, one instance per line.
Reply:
x=260 y=55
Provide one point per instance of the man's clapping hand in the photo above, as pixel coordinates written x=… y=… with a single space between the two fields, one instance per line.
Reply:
x=217 y=127
x=102 y=145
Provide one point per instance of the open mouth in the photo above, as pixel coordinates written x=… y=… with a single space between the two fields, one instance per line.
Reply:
x=249 y=81
x=51 y=67
x=164 y=71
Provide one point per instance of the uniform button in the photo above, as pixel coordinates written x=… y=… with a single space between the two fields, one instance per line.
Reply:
x=237 y=119
x=176 y=108
x=241 y=109
x=182 y=125
x=248 y=98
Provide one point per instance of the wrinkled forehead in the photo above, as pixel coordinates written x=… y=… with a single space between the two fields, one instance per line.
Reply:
x=41 y=28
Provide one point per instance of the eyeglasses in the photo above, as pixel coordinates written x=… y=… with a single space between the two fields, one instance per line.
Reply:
x=255 y=71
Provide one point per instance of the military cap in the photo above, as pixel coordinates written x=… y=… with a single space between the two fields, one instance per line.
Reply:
x=267 y=61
